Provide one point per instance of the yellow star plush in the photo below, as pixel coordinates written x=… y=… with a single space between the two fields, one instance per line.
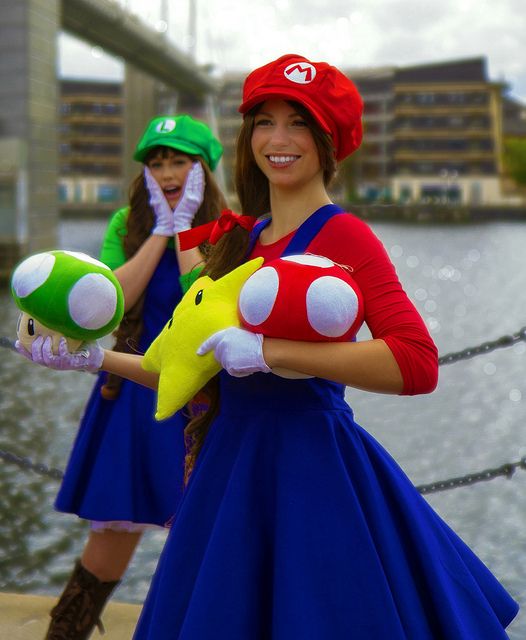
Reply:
x=207 y=307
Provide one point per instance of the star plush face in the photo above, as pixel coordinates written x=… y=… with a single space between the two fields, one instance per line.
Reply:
x=207 y=307
x=70 y=293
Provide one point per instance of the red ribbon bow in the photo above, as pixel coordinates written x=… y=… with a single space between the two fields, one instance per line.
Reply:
x=213 y=231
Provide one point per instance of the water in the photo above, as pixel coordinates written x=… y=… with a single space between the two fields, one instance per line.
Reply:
x=467 y=281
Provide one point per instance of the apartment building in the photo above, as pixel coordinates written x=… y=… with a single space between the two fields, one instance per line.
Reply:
x=447 y=134
x=91 y=141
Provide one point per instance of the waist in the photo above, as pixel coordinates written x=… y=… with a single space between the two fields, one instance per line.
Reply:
x=268 y=392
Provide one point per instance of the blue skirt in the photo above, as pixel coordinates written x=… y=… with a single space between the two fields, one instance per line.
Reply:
x=296 y=524
x=124 y=466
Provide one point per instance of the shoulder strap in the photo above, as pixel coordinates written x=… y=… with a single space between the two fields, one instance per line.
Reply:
x=310 y=229
x=305 y=232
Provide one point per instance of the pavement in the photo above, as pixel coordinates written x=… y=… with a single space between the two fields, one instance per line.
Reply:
x=26 y=617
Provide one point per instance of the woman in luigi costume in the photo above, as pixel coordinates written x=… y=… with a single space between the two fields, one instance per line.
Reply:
x=125 y=471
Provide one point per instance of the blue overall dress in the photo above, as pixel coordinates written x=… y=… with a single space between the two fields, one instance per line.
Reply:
x=125 y=465
x=297 y=525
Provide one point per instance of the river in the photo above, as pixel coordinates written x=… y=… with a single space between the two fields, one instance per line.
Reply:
x=469 y=284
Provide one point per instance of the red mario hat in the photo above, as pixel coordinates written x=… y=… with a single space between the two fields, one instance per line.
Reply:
x=325 y=91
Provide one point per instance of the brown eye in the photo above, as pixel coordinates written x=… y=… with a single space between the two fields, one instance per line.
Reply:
x=31 y=327
x=199 y=297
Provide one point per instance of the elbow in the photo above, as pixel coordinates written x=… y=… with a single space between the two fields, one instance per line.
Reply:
x=421 y=382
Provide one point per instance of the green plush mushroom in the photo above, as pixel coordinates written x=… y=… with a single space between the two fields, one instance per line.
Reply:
x=65 y=293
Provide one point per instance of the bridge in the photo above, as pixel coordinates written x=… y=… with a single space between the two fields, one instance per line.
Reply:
x=29 y=102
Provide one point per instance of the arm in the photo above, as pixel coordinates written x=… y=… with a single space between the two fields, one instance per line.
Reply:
x=135 y=274
x=368 y=365
x=92 y=357
x=188 y=260
x=389 y=314
x=400 y=357
x=129 y=366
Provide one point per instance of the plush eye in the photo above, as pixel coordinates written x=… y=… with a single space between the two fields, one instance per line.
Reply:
x=199 y=297
x=170 y=322
x=31 y=327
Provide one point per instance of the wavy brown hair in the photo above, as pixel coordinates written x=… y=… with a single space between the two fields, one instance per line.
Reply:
x=139 y=225
x=253 y=190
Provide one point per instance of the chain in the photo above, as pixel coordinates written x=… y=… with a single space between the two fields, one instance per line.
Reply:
x=485 y=347
x=26 y=463
x=507 y=470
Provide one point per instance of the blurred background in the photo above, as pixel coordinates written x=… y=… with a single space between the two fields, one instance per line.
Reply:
x=441 y=177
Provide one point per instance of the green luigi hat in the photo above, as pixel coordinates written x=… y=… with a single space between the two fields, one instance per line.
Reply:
x=183 y=133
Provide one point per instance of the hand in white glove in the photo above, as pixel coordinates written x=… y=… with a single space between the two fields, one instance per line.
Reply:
x=238 y=351
x=89 y=358
x=164 y=218
x=191 y=198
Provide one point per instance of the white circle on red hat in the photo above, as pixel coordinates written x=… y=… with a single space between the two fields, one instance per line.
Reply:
x=300 y=72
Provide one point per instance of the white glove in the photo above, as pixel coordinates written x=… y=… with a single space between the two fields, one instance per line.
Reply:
x=191 y=199
x=89 y=358
x=238 y=351
x=164 y=218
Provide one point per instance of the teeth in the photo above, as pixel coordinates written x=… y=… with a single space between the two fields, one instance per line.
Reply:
x=282 y=159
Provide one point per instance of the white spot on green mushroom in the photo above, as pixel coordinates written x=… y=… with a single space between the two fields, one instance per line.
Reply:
x=90 y=288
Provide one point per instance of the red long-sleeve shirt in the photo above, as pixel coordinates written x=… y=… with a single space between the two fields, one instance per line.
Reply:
x=389 y=313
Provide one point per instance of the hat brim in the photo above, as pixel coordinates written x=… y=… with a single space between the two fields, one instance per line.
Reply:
x=268 y=94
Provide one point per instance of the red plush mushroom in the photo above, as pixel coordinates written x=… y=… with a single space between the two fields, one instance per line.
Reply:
x=303 y=297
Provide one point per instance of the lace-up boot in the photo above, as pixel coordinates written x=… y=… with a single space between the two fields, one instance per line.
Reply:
x=79 y=607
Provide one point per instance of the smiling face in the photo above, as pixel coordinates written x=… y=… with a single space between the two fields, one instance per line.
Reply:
x=283 y=146
x=170 y=170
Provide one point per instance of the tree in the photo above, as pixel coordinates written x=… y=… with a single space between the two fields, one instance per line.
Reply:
x=515 y=159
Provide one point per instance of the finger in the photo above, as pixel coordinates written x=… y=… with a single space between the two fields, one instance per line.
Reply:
x=48 y=356
x=36 y=350
x=195 y=178
x=19 y=348
x=210 y=343
x=63 y=349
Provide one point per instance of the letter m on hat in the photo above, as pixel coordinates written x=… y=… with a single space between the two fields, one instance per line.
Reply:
x=300 y=72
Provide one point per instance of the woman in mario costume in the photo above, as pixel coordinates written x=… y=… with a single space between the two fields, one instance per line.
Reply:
x=126 y=470
x=295 y=523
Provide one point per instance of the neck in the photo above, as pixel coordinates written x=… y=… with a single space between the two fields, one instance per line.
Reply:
x=291 y=208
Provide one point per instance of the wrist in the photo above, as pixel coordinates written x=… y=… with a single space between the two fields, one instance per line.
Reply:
x=271 y=350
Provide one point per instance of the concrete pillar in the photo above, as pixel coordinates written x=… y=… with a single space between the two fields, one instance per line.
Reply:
x=140 y=105
x=28 y=125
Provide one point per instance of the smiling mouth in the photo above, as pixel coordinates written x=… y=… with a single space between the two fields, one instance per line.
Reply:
x=281 y=161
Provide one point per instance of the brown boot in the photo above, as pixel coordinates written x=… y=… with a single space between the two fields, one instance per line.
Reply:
x=79 y=607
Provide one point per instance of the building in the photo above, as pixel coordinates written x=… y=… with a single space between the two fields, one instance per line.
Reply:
x=447 y=134
x=91 y=142
x=432 y=133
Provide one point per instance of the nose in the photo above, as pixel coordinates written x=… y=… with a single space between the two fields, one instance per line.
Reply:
x=167 y=172
x=280 y=135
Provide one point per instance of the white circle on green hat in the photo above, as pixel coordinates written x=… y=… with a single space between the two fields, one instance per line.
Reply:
x=166 y=126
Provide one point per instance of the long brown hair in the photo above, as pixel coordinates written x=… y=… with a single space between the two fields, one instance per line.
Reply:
x=253 y=191
x=139 y=225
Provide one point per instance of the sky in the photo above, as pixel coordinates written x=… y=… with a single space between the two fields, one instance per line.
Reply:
x=352 y=34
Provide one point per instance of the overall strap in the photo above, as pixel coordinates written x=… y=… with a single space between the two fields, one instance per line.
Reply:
x=305 y=232
x=310 y=229
x=254 y=234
